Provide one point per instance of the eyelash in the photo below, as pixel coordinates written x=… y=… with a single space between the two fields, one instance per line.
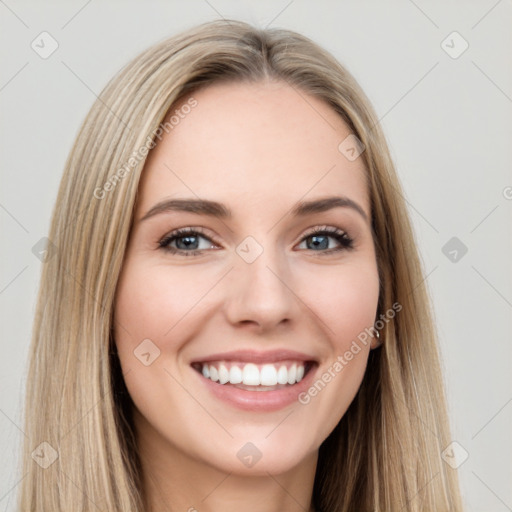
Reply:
x=345 y=241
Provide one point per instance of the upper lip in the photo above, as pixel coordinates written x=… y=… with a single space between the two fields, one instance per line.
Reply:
x=252 y=356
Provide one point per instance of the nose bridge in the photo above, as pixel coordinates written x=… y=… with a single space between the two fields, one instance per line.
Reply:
x=259 y=290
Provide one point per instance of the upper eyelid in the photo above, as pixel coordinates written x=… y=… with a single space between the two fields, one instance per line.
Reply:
x=193 y=230
x=324 y=227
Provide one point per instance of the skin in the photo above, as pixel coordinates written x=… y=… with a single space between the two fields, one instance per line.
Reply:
x=274 y=147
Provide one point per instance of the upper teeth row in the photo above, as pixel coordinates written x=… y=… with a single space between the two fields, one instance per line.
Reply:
x=251 y=375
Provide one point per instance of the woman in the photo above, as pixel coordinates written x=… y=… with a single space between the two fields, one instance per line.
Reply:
x=235 y=315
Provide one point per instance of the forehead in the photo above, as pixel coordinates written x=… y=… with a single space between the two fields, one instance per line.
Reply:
x=247 y=142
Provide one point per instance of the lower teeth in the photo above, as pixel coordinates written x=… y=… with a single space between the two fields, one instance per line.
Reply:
x=257 y=388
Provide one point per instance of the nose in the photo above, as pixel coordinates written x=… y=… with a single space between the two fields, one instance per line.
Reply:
x=261 y=294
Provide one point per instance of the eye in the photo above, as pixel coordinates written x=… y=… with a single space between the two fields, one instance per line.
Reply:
x=192 y=241
x=186 y=242
x=318 y=240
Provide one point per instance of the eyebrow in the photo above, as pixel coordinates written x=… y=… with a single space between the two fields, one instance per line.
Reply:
x=218 y=210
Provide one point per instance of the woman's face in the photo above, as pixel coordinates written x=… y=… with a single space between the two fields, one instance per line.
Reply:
x=273 y=274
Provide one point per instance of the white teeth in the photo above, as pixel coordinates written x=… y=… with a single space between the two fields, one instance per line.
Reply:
x=292 y=374
x=268 y=375
x=223 y=374
x=214 y=374
x=250 y=374
x=282 y=375
x=235 y=375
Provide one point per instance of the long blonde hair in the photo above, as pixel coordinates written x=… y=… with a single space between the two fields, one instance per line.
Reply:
x=385 y=453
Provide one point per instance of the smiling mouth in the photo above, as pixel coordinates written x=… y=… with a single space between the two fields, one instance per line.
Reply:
x=255 y=377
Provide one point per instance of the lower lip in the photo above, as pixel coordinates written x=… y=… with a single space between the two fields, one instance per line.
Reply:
x=263 y=401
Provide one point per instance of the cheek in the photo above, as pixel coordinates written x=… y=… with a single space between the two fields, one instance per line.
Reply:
x=151 y=301
x=155 y=312
x=149 y=307
x=145 y=309
x=346 y=301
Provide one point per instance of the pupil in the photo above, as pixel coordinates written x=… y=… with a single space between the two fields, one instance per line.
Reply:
x=187 y=242
x=321 y=245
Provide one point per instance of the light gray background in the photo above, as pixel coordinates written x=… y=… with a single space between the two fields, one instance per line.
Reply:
x=449 y=126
